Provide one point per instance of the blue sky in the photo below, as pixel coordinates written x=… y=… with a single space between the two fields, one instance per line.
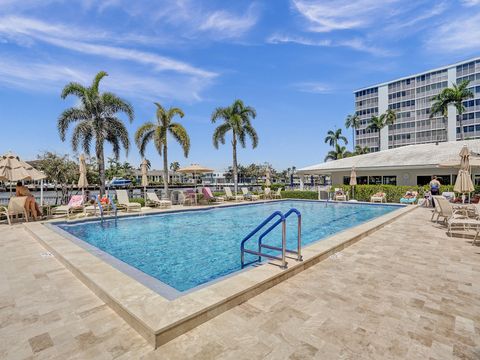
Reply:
x=296 y=61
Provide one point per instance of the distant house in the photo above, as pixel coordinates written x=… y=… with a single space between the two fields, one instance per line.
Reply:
x=407 y=165
x=156 y=176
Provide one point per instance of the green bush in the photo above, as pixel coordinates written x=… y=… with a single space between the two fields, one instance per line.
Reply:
x=394 y=193
x=310 y=195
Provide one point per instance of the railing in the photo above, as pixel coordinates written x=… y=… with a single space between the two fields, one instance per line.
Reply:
x=110 y=203
x=281 y=220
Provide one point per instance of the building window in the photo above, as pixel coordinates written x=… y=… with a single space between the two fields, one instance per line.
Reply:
x=375 y=180
x=390 y=180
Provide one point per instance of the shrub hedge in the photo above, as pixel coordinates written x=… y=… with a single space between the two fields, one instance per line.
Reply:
x=141 y=201
x=310 y=195
x=394 y=193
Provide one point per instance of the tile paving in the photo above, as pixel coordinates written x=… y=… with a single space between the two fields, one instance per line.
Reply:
x=405 y=292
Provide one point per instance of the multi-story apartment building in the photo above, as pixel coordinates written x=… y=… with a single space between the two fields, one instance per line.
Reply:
x=411 y=98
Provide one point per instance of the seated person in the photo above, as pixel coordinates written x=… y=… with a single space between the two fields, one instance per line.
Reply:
x=30 y=204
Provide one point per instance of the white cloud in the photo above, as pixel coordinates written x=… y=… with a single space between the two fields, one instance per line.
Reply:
x=227 y=25
x=330 y=15
x=470 y=2
x=51 y=77
x=354 y=43
x=461 y=34
x=23 y=29
x=313 y=87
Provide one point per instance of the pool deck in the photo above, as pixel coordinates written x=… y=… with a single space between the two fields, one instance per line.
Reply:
x=406 y=291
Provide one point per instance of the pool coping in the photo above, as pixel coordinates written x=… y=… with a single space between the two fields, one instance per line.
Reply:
x=159 y=319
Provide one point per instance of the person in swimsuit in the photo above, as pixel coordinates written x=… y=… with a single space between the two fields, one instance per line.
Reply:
x=434 y=188
x=30 y=204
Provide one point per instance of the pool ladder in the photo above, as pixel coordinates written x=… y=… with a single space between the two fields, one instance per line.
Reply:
x=281 y=220
x=111 y=203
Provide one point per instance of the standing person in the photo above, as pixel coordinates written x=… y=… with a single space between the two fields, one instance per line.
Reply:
x=30 y=205
x=434 y=188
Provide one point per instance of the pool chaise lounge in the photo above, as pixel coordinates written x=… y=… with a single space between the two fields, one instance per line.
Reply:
x=152 y=198
x=247 y=195
x=124 y=201
x=229 y=195
x=16 y=206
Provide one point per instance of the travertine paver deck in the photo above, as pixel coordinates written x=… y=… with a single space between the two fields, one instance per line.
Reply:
x=405 y=292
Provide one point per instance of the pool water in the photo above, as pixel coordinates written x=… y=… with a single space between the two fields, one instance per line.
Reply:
x=187 y=249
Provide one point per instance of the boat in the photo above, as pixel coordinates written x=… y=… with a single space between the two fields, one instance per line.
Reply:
x=119 y=182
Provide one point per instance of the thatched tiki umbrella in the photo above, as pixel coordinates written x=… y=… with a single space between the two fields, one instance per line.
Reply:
x=82 y=169
x=13 y=169
x=353 y=181
x=464 y=183
x=144 y=169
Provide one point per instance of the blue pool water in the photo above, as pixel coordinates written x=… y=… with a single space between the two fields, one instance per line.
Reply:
x=187 y=249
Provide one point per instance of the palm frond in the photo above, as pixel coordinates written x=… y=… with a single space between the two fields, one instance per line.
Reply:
x=113 y=104
x=219 y=134
x=73 y=88
x=180 y=134
x=97 y=79
x=67 y=117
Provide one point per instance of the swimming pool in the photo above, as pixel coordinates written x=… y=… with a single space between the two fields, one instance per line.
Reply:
x=190 y=248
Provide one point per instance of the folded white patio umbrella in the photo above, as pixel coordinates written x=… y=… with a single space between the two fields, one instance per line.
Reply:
x=82 y=179
x=144 y=169
x=353 y=181
x=464 y=183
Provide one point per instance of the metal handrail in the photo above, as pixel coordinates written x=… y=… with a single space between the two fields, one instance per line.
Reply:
x=298 y=252
x=99 y=203
x=257 y=229
x=283 y=249
x=114 y=207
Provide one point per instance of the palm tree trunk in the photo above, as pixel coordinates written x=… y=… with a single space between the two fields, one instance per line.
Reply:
x=461 y=128
x=101 y=168
x=235 y=170
x=379 y=139
x=353 y=139
x=165 y=171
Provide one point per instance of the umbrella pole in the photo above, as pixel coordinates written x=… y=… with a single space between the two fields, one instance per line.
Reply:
x=41 y=192
x=145 y=194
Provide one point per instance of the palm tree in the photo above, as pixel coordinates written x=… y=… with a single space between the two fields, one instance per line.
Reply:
x=333 y=137
x=352 y=121
x=377 y=123
x=359 y=150
x=174 y=166
x=455 y=96
x=340 y=152
x=390 y=119
x=157 y=132
x=96 y=120
x=237 y=119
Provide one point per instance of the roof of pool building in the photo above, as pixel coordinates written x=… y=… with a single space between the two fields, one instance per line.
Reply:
x=406 y=157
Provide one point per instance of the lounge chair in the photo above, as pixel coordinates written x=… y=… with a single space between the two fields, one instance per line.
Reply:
x=75 y=204
x=267 y=193
x=208 y=195
x=230 y=196
x=459 y=217
x=437 y=210
x=277 y=194
x=247 y=195
x=339 y=195
x=124 y=201
x=16 y=206
x=153 y=199
x=410 y=197
x=379 y=197
x=189 y=197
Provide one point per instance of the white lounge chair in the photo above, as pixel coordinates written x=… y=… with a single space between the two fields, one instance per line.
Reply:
x=277 y=194
x=153 y=199
x=76 y=203
x=379 y=197
x=339 y=195
x=248 y=195
x=230 y=196
x=124 y=201
x=16 y=207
